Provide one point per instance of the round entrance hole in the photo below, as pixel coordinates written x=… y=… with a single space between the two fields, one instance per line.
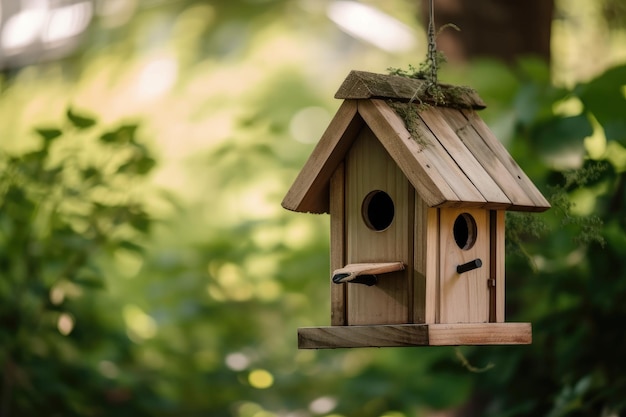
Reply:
x=465 y=231
x=378 y=210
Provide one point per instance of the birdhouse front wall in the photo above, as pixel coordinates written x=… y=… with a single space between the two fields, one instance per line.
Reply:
x=379 y=228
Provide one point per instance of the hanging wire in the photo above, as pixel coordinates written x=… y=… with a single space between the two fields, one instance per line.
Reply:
x=432 y=46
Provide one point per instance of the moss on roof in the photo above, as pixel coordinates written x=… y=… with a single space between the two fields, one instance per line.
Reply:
x=366 y=85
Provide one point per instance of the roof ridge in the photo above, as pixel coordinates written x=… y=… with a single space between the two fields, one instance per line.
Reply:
x=366 y=85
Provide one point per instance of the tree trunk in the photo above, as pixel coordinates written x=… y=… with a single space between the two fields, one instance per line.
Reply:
x=501 y=29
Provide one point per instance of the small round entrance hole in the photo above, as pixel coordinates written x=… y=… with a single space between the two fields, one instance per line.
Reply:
x=378 y=210
x=465 y=231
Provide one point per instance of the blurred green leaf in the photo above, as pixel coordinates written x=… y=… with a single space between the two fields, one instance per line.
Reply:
x=53 y=238
x=90 y=172
x=140 y=221
x=560 y=133
x=123 y=134
x=604 y=97
x=79 y=121
x=91 y=280
x=131 y=246
x=49 y=134
x=139 y=164
x=534 y=69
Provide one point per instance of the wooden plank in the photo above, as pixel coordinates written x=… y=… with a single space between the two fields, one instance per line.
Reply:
x=436 y=120
x=419 y=259
x=310 y=190
x=426 y=262
x=362 y=336
x=337 y=245
x=464 y=298
x=369 y=168
x=444 y=163
x=480 y=334
x=410 y=267
x=491 y=162
x=351 y=271
x=493 y=265
x=433 y=267
x=498 y=253
x=536 y=201
x=408 y=335
x=413 y=159
x=441 y=160
x=366 y=85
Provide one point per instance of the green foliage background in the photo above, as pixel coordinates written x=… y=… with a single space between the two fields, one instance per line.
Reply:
x=147 y=268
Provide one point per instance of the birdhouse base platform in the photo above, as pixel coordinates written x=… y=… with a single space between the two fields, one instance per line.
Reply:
x=404 y=335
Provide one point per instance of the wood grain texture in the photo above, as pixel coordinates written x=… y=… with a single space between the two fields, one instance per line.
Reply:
x=490 y=161
x=310 y=190
x=362 y=336
x=433 y=267
x=464 y=298
x=480 y=334
x=366 y=85
x=369 y=168
x=453 y=162
x=444 y=162
x=407 y=335
x=537 y=202
x=408 y=154
x=337 y=245
x=426 y=255
x=369 y=268
x=493 y=265
x=436 y=120
x=498 y=252
x=411 y=274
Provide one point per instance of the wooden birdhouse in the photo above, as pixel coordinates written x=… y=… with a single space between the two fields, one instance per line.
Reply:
x=417 y=194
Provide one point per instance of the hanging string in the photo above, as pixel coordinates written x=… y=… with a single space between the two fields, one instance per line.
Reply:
x=432 y=46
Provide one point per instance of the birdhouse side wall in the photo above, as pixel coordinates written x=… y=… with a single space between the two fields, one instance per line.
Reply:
x=337 y=245
x=497 y=268
x=426 y=242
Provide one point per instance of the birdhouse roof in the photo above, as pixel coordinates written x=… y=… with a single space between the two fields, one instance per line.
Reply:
x=441 y=145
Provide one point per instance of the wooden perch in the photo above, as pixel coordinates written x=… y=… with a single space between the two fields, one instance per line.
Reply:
x=364 y=273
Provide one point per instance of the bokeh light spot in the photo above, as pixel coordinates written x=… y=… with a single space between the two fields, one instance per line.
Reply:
x=372 y=25
x=108 y=369
x=67 y=21
x=237 y=361
x=157 y=77
x=260 y=379
x=22 y=29
x=65 y=324
x=323 y=405
x=308 y=124
x=140 y=325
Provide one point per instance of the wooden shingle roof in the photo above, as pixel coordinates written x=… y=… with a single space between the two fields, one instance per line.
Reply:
x=447 y=152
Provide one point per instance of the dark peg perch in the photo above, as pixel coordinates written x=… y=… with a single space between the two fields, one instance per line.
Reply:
x=368 y=280
x=469 y=266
